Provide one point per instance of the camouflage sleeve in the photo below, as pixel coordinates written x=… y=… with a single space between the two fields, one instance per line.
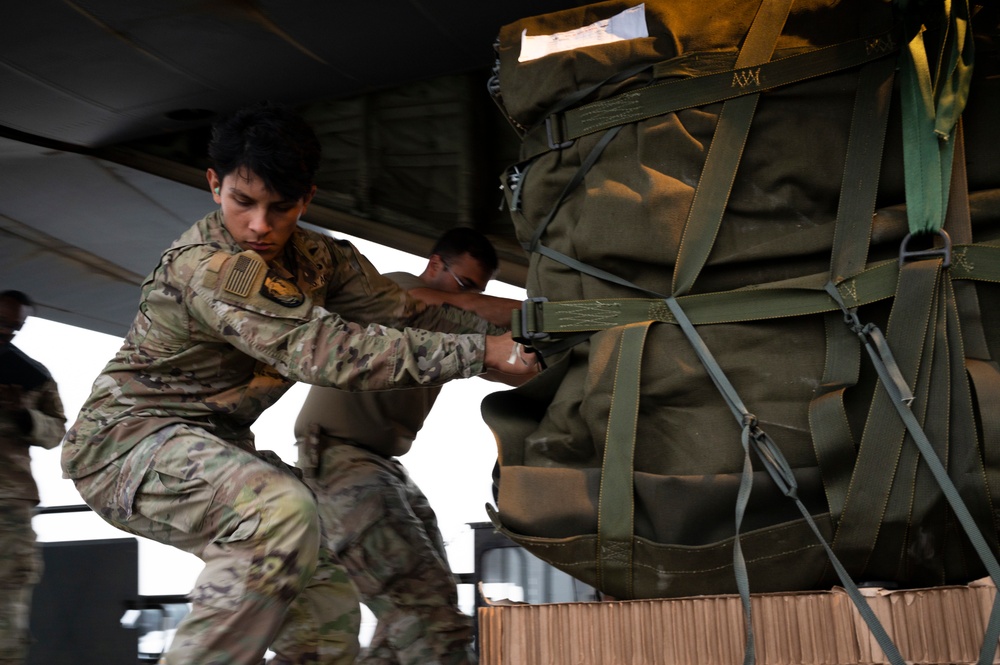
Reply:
x=232 y=297
x=48 y=421
x=448 y=317
x=361 y=293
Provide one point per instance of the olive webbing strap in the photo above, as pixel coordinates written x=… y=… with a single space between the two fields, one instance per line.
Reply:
x=725 y=151
x=616 y=501
x=958 y=224
x=862 y=165
x=878 y=454
x=953 y=432
x=546 y=136
x=897 y=400
x=726 y=82
x=983 y=372
x=985 y=378
x=558 y=318
x=833 y=441
x=828 y=423
x=982 y=369
x=881 y=446
x=779 y=470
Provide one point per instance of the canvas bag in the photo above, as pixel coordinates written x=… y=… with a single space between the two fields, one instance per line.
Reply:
x=622 y=463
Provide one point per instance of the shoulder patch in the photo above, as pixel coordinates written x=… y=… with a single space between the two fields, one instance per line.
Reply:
x=241 y=273
x=282 y=291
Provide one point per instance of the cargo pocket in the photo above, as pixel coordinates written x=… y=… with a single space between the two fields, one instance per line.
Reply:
x=182 y=503
x=160 y=482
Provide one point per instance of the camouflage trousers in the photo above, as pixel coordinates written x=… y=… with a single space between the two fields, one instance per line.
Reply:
x=379 y=525
x=252 y=522
x=20 y=571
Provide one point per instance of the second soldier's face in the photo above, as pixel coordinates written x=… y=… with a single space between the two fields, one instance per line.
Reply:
x=12 y=317
x=257 y=218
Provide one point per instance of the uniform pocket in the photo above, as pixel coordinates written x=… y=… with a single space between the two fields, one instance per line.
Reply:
x=183 y=503
x=163 y=479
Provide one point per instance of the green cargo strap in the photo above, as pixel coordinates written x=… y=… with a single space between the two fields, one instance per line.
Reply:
x=931 y=108
x=879 y=452
x=958 y=224
x=933 y=462
x=711 y=195
x=984 y=373
x=985 y=378
x=780 y=471
x=546 y=136
x=743 y=79
x=616 y=501
x=859 y=187
x=541 y=318
x=726 y=82
x=833 y=441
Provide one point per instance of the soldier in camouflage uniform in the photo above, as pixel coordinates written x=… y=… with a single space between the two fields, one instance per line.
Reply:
x=241 y=306
x=376 y=521
x=31 y=414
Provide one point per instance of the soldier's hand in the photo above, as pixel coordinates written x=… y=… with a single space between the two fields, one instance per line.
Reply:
x=507 y=356
x=11 y=398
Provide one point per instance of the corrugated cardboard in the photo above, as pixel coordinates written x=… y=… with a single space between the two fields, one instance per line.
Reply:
x=929 y=626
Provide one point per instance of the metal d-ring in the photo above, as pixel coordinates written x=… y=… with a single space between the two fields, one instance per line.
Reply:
x=944 y=252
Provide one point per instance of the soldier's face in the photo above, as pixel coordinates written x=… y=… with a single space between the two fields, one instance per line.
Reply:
x=462 y=273
x=12 y=317
x=258 y=218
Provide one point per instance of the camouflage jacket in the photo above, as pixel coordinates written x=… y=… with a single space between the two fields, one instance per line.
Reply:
x=220 y=336
x=383 y=422
x=42 y=423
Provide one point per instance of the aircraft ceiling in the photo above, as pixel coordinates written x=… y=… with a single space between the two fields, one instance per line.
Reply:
x=105 y=104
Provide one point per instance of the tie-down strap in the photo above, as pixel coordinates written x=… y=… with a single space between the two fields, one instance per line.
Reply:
x=561 y=128
x=540 y=319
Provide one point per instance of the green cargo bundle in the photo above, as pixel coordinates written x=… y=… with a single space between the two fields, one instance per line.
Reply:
x=764 y=266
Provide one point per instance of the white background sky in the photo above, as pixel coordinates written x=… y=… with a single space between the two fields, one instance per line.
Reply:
x=451 y=460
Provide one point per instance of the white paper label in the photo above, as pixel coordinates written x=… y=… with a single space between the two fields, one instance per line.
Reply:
x=630 y=24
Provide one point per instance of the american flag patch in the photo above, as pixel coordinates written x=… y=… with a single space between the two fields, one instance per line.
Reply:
x=241 y=278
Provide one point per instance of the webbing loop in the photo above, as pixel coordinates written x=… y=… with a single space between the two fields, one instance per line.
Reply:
x=932 y=103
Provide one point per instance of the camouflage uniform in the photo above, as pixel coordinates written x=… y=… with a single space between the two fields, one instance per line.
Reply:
x=379 y=524
x=42 y=424
x=162 y=448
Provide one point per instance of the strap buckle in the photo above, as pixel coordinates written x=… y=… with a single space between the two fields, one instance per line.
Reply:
x=553 y=145
x=944 y=251
x=526 y=334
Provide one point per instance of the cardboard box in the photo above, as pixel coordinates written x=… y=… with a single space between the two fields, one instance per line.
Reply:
x=929 y=626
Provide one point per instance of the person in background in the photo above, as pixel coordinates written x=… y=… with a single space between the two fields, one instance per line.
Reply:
x=376 y=521
x=31 y=414
x=241 y=306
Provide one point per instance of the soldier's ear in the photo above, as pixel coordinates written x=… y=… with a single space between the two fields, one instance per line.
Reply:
x=214 y=184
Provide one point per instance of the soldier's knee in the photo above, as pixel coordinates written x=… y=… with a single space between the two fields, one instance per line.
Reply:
x=290 y=528
x=291 y=512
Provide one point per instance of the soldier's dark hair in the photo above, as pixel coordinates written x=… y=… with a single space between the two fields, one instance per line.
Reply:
x=464 y=240
x=19 y=297
x=273 y=142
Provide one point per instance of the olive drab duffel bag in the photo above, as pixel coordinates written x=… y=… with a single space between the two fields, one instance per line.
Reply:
x=764 y=252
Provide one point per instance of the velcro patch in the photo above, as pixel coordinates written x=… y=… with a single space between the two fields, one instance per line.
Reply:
x=243 y=275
